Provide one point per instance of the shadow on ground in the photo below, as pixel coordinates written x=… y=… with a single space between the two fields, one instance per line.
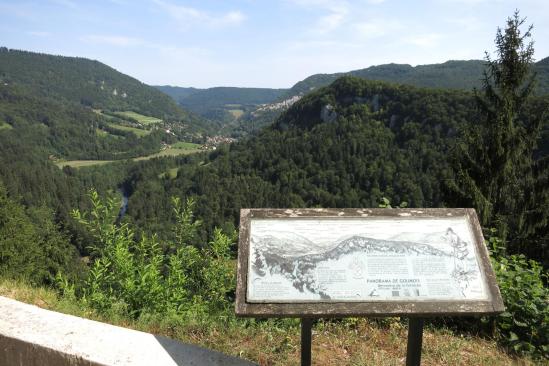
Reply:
x=190 y=355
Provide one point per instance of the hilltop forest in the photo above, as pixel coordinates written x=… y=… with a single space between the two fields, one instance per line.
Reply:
x=147 y=234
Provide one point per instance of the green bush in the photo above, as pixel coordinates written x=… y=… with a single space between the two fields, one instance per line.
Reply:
x=524 y=326
x=145 y=277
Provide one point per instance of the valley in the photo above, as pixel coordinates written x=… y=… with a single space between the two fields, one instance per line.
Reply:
x=123 y=199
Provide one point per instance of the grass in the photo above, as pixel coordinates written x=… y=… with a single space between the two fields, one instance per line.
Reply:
x=5 y=126
x=236 y=113
x=100 y=132
x=171 y=174
x=146 y=120
x=185 y=145
x=114 y=116
x=107 y=116
x=277 y=342
x=160 y=154
x=139 y=132
x=167 y=152
x=82 y=163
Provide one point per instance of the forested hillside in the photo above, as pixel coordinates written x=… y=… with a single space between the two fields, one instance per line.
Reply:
x=464 y=75
x=66 y=130
x=239 y=111
x=54 y=109
x=344 y=146
x=88 y=83
x=347 y=145
x=177 y=92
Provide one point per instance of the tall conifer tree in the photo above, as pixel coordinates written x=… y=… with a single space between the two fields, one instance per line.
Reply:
x=495 y=166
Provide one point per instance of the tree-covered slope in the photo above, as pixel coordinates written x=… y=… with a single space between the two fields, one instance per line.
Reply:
x=177 y=92
x=542 y=70
x=66 y=130
x=464 y=75
x=346 y=145
x=343 y=146
x=89 y=83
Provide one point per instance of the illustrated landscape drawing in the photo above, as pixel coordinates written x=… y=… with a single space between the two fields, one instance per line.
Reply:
x=362 y=260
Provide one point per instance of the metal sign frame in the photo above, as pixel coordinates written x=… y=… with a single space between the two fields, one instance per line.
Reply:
x=334 y=309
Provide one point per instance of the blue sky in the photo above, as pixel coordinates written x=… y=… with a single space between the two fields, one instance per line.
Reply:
x=261 y=43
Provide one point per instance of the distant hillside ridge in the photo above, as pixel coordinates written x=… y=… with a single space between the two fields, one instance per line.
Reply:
x=231 y=108
x=453 y=74
x=89 y=83
x=202 y=100
x=177 y=92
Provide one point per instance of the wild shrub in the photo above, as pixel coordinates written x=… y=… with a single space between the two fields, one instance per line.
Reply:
x=146 y=277
x=524 y=326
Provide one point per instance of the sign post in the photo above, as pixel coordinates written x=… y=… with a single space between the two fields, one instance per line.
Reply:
x=334 y=263
x=415 y=339
x=306 y=341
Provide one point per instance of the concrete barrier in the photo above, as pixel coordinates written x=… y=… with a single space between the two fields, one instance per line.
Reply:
x=33 y=336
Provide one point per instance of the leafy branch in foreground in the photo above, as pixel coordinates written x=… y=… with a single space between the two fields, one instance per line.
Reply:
x=524 y=326
x=137 y=277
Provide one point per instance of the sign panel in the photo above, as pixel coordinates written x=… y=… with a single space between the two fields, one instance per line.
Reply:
x=362 y=261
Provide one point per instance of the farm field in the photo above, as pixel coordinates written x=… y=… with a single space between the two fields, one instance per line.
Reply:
x=82 y=163
x=160 y=154
x=236 y=113
x=139 y=132
x=146 y=120
x=167 y=152
x=185 y=145
x=129 y=117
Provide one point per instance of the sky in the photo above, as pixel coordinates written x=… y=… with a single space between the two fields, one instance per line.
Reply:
x=261 y=43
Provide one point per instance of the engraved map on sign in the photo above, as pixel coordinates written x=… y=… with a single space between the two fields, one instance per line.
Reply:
x=362 y=259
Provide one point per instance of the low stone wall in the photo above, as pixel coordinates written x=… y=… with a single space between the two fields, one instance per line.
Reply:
x=32 y=336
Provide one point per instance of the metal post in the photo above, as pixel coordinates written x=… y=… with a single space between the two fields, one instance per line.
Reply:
x=415 y=339
x=306 y=326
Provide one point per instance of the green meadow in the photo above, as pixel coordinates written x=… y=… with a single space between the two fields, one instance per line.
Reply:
x=185 y=145
x=137 y=131
x=5 y=126
x=160 y=154
x=146 y=120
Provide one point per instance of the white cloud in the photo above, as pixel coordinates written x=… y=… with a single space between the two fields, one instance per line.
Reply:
x=113 y=40
x=330 y=22
x=337 y=14
x=188 y=16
